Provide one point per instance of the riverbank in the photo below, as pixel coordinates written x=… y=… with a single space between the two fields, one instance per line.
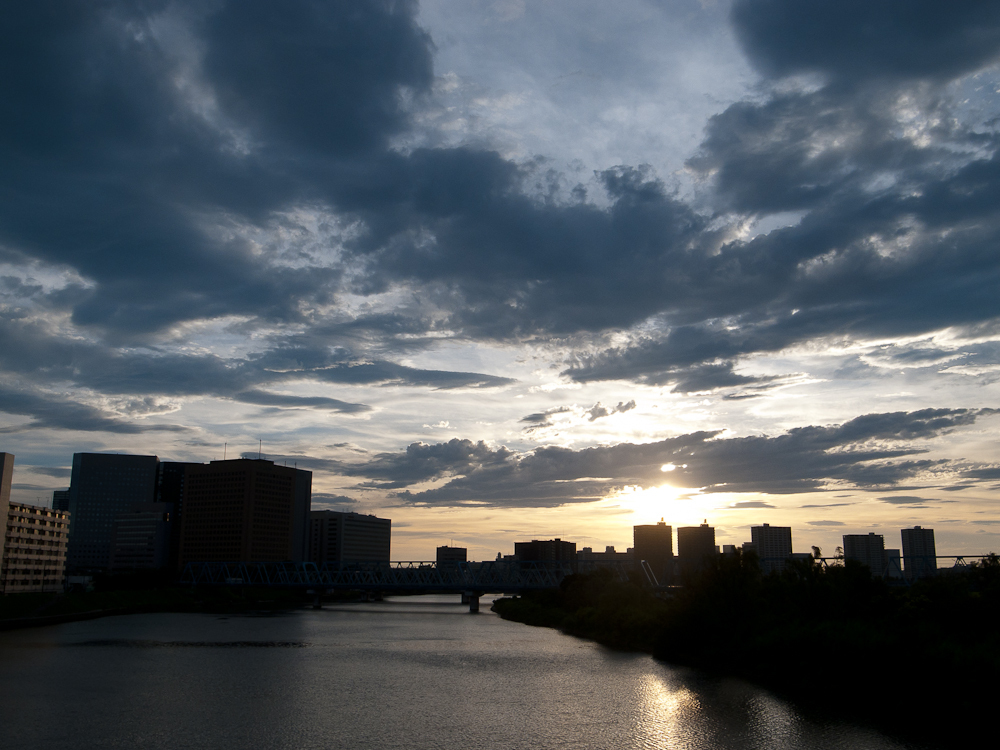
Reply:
x=920 y=661
x=34 y=610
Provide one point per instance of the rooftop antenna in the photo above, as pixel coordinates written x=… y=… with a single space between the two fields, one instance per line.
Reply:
x=260 y=444
x=225 y=446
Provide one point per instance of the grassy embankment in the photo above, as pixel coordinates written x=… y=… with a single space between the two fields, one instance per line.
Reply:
x=828 y=638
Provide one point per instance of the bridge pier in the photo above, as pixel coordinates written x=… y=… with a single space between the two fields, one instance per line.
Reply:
x=317 y=601
x=472 y=599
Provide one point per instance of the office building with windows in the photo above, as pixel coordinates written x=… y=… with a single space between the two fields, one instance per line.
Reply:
x=654 y=544
x=545 y=550
x=773 y=545
x=867 y=549
x=919 y=553
x=350 y=537
x=245 y=510
x=452 y=554
x=102 y=486
x=141 y=539
x=694 y=545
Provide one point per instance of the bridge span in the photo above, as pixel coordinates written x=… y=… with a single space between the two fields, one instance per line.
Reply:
x=470 y=579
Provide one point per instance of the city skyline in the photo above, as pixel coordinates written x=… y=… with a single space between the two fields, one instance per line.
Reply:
x=529 y=271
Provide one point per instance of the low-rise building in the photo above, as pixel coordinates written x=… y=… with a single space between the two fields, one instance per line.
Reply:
x=34 y=552
x=545 y=550
x=448 y=554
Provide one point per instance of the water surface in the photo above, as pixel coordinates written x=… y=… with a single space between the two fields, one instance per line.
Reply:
x=409 y=672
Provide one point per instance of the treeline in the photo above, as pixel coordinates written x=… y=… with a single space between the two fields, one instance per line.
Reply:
x=827 y=637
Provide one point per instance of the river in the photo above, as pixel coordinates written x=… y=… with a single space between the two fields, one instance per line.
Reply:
x=409 y=672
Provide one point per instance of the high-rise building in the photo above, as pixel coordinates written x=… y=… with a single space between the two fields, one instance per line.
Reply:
x=773 y=545
x=919 y=553
x=867 y=549
x=6 y=478
x=103 y=485
x=141 y=538
x=60 y=499
x=452 y=554
x=245 y=510
x=694 y=544
x=170 y=489
x=348 y=537
x=654 y=544
x=545 y=550
x=34 y=556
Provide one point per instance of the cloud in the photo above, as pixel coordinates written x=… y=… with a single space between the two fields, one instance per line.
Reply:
x=855 y=41
x=312 y=402
x=905 y=499
x=598 y=411
x=824 y=523
x=751 y=504
x=59 y=472
x=873 y=450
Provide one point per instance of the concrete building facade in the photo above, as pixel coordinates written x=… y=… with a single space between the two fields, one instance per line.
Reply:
x=773 y=545
x=867 y=549
x=919 y=552
x=654 y=543
x=34 y=553
x=694 y=545
x=6 y=478
x=245 y=510
x=348 y=537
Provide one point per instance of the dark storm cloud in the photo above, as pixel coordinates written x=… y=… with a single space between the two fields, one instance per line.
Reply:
x=144 y=143
x=855 y=40
x=870 y=451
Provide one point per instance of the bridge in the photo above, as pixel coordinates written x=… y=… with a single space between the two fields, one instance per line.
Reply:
x=470 y=579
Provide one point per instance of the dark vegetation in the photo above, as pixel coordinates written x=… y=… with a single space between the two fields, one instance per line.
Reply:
x=924 y=657
x=119 y=597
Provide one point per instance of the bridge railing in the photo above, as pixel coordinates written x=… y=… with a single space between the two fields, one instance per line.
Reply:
x=489 y=576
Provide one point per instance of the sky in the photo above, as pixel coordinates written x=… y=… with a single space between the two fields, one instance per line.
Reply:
x=503 y=269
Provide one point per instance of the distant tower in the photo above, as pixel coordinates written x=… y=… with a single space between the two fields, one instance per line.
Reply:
x=867 y=549
x=694 y=544
x=773 y=545
x=654 y=543
x=919 y=554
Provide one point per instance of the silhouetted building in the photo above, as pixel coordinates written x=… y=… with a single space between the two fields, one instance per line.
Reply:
x=867 y=549
x=548 y=550
x=34 y=555
x=170 y=483
x=245 y=510
x=60 y=499
x=348 y=537
x=773 y=545
x=103 y=485
x=141 y=539
x=694 y=544
x=654 y=543
x=6 y=478
x=452 y=554
x=919 y=554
